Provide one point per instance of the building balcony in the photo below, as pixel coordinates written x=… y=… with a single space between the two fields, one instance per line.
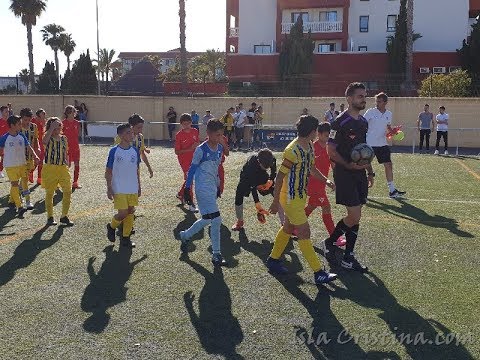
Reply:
x=316 y=27
x=234 y=32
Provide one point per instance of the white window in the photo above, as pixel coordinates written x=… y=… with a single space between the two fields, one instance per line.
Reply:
x=233 y=22
x=364 y=23
x=330 y=16
x=363 y=48
x=262 y=49
x=326 y=48
x=296 y=15
x=391 y=23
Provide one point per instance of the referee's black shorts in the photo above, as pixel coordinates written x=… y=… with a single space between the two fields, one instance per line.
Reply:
x=383 y=154
x=351 y=186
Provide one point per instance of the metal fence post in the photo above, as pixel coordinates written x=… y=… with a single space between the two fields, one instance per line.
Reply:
x=413 y=141
x=83 y=132
x=458 y=140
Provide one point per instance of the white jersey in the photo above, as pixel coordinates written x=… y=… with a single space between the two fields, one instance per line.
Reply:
x=442 y=117
x=14 y=149
x=377 y=126
x=124 y=164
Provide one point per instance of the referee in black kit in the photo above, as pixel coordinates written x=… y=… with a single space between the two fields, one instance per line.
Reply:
x=348 y=130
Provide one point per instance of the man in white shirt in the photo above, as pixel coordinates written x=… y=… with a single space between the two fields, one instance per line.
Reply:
x=379 y=123
x=442 y=130
x=239 y=124
x=330 y=115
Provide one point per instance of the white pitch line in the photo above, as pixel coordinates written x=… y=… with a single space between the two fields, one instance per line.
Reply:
x=428 y=200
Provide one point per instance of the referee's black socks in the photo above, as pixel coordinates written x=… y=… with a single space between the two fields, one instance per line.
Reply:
x=340 y=229
x=351 y=237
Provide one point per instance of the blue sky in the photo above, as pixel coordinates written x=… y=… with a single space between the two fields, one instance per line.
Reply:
x=146 y=25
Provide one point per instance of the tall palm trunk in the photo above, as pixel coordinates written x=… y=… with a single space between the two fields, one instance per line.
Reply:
x=57 y=70
x=409 y=57
x=30 y=57
x=68 y=62
x=183 y=50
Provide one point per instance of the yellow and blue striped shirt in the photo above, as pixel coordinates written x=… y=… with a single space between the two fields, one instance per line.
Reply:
x=138 y=142
x=56 y=151
x=296 y=179
x=31 y=134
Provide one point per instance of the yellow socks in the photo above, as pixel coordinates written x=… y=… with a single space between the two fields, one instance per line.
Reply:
x=128 y=225
x=67 y=196
x=281 y=242
x=310 y=255
x=15 y=195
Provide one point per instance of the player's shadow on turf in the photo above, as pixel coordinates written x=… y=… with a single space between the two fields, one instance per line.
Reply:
x=412 y=213
x=405 y=323
x=6 y=217
x=26 y=252
x=218 y=330
x=107 y=286
x=323 y=319
x=188 y=221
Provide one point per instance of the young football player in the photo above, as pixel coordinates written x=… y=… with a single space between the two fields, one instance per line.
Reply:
x=291 y=192
x=13 y=145
x=255 y=174
x=3 y=130
x=317 y=196
x=123 y=184
x=30 y=131
x=71 y=131
x=186 y=141
x=204 y=169
x=56 y=170
x=39 y=120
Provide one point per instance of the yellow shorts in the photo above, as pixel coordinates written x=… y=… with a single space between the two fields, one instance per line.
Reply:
x=294 y=209
x=124 y=201
x=54 y=175
x=15 y=173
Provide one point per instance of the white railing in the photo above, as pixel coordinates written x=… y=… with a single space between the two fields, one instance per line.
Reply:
x=316 y=27
x=234 y=32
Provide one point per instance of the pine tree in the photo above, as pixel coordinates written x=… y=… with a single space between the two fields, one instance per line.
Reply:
x=470 y=57
x=65 y=87
x=296 y=61
x=83 y=79
x=47 y=82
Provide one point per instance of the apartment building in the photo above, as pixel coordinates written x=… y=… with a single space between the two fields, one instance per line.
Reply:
x=350 y=37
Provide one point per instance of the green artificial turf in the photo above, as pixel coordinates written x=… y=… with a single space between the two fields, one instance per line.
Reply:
x=67 y=293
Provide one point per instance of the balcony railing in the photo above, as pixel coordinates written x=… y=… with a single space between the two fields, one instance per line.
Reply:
x=234 y=32
x=316 y=27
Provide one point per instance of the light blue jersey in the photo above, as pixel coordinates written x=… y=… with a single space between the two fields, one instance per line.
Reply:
x=204 y=169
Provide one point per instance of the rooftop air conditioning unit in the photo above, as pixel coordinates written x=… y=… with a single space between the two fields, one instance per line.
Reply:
x=454 y=68
x=246 y=84
x=439 y=70
x=424 y=70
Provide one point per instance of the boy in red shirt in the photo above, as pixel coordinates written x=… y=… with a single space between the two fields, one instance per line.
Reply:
x=316 y=189
x=39 y=120
x=186 y=141
x=71 y=129
x=3 y=130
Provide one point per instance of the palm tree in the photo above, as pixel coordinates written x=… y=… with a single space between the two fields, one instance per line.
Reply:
x=29 y=10
x=105 y=65
x=410 y=40
x=24 y=76
x=51 y=35
x=183 y=50
x=67 y=47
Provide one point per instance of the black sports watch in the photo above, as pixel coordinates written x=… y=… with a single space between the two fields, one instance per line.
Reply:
x=371 y=174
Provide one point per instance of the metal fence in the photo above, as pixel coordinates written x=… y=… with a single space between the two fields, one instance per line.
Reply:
x=274 y=136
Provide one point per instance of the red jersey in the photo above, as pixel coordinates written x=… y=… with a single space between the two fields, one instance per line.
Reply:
x=40 y=127
x=3 y=126
x=225 y=141
x=322 y=163
x=71 y=131
x=184 y=140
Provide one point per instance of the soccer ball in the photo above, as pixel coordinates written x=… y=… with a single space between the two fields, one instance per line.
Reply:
x=362 y=154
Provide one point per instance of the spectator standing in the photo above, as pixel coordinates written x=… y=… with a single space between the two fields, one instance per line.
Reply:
x=228 y=120
x=205 y=119
x=304 y=111
x=83 y=117
x=195 y=119
x=425 y=127
x=240 y=120
x=248 y=129
x=258 y=125
x=172 y=119
x=330 y=114
x=10 y=110
x=442 y=129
